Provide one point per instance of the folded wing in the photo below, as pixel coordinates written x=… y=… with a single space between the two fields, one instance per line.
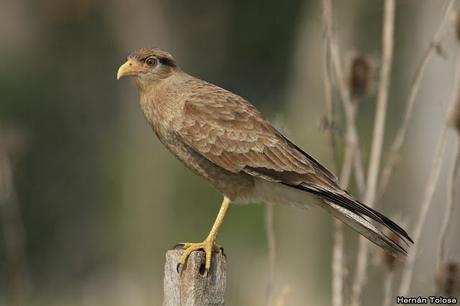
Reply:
x=232 y=134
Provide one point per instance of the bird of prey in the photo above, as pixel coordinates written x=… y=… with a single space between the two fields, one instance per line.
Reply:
x=224 y=139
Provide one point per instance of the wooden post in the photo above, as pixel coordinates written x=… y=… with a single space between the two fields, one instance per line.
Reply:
x=192 y=287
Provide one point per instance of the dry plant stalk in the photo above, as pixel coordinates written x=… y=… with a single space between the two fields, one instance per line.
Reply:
x=375 y=189
x=452 y=187
x=387 y=288
x=382 y=101
x=377 y=141
x=339 y=76
x=390 y=263
x=11 y=142
x=337 y=264
x=407 y=274
x=454 y=121
x=338 y=240
x=352 y=154
x=337 y=253
x=271 y=252
x=452 y=192
x=396 y=145
x=425 y=206
x=448 y=280
x=359 y=84
x=271 y=237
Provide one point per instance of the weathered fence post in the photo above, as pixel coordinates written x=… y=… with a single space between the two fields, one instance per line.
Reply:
x=192 y=287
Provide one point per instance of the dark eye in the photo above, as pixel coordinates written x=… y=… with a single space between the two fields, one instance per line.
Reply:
x=151 y=61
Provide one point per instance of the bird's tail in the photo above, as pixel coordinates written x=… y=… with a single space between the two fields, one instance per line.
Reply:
x=364 y=227
x=343 y=206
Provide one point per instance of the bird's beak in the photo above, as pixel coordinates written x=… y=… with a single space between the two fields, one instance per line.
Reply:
x=127 y=69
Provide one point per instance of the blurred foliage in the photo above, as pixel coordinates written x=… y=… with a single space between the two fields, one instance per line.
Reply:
x=101 y=200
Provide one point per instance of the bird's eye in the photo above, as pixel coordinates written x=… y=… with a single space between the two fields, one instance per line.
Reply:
x=150 y=61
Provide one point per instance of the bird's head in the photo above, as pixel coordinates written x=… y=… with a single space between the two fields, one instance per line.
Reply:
x=148 y=65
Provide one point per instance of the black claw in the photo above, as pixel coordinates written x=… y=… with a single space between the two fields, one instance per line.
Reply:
x=179 y=268
x=179 y=245
x=222 y=250
x=203 y=270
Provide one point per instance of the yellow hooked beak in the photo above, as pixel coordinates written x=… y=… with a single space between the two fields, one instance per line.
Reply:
x=130 y=68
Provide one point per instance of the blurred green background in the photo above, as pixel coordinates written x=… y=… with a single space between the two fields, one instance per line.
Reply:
x=100 y=200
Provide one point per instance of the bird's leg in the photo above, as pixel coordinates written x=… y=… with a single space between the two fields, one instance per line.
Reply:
x=208 y=245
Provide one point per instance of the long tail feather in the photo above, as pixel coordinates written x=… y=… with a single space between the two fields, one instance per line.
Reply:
x=364 y=227
x=354 y=213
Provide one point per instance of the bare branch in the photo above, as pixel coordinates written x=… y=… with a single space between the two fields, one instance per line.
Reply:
x=377 y=140
x=406 y=277
x=328 y=103
x=271 y=251
x=449 y=212
x=337 y=253
x=382 y=102
x=337 y=264
x=452 y=188
x=352 y=155
x=396 y=145
x=11 y=219
x=387 y=288
x=348 y=106
x=360 y=180
x=425 y=206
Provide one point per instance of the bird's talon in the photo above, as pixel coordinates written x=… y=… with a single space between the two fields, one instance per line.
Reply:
x=217 y=248
x=203 y=270
x=179 y=245
x=208 y=246
x=179 y=268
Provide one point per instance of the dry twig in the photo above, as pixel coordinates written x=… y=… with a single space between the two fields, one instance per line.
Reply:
x=377 y=140
x=351 y=144
x=448 y=279
x=452 y=187
x=337 y=253
x=271 y=251
x=11 y=141
x=452 y=192
x=352 y=138
x=425 y=206
x=387 y=288
x=406 y=277
x=396 y=145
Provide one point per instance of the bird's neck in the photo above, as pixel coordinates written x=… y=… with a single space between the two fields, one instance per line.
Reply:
x=159 y=101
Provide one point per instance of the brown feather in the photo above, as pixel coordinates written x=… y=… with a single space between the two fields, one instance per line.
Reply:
x=226 y=140
x=221 y=125
x=242 y=141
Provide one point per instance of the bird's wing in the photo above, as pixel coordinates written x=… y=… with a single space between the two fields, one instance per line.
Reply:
x=232 y=134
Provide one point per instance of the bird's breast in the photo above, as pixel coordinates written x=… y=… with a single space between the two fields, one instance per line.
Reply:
x=159 y=112
x=164 y=110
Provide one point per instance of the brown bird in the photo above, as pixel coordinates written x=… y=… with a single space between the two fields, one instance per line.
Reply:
x=224 y=139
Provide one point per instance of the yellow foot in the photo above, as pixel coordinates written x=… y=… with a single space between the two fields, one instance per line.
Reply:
x=208 y=246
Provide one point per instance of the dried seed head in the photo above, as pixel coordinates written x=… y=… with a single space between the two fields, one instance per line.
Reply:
x=360 y=76
x=454 y=120
x=389 y=260
x=448 y=280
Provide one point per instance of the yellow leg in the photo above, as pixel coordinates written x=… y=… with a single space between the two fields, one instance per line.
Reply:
x=208 y=245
